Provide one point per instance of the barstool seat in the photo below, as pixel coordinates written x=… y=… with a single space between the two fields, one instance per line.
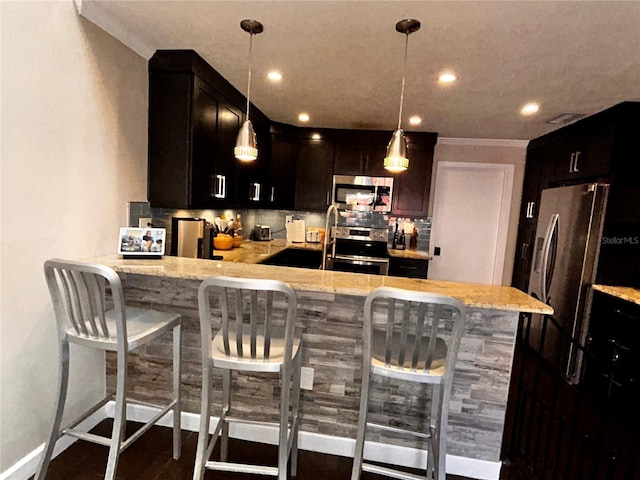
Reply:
x=78 y=295
x=403 y=339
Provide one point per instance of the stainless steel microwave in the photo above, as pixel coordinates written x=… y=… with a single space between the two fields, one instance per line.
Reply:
x=367 y=194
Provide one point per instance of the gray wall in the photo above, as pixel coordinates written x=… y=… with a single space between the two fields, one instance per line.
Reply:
x=74 y=149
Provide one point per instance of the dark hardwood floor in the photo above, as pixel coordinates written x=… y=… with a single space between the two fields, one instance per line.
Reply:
x=150 y=458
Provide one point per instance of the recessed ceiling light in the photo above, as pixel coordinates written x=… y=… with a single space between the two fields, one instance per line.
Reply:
x=316 y=136
x=415 y=120
x=529 y=109
x=303 y=117
x=274 y=75
x=447 y=77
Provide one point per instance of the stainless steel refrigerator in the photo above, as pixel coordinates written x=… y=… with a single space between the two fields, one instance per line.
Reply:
x=566 y=248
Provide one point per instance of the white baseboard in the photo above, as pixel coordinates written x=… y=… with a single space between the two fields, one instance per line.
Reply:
x=26 y=467
x=315 y=442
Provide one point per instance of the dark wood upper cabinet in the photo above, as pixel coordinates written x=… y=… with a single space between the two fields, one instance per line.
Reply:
x=194 y=118
x=411 y=188
x=281 y=192
x=360 y=152
x=314 y=171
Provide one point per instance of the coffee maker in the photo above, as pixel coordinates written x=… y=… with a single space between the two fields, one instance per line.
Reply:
x=187 y=236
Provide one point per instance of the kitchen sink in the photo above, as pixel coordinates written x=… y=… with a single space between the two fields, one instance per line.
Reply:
x=294 y=257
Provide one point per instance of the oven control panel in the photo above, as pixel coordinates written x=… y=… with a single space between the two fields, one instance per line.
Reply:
x=362 y=233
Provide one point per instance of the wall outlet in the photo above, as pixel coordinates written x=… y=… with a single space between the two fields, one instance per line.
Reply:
x=144 y=221
x=306 y=378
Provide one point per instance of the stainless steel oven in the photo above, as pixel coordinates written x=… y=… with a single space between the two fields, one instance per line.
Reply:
x=359 y=250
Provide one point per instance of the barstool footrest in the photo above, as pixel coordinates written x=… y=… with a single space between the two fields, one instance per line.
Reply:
x=390 y=472
x=389 y=428
x=89 y=437
x=142 y=430
x=242 y=468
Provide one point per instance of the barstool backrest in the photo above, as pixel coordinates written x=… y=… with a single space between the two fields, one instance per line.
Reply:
x=406 y=325
x=78 y=295
x=247 y=310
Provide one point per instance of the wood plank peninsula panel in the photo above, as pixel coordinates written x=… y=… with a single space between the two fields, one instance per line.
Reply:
x=330 y=309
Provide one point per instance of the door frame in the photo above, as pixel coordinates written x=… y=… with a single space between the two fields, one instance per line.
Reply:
x=505 y=208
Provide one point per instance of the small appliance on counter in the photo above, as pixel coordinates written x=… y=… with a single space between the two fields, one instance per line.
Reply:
x=313 y=236
x=262 y=233
x=187 y=236
x=296 y=231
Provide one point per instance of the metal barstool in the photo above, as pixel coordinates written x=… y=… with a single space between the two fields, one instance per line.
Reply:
x=78 y=295
x=401 y=340
x=257 y=335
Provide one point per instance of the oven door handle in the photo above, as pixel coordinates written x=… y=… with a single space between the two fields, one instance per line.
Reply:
x=362 y=261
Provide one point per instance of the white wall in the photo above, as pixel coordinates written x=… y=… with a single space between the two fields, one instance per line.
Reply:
x=74 y=151
x=488 y=151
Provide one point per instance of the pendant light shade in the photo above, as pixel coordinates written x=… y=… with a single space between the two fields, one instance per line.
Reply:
x=246 y=149
x=246 y=146
x=396 y=159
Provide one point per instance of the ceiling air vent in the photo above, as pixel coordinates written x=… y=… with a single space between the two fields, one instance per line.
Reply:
x=564 y=118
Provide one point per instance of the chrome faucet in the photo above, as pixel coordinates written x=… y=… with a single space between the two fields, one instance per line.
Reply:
x=327 y=233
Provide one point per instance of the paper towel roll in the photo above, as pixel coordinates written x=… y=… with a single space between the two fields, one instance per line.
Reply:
x=297 y=231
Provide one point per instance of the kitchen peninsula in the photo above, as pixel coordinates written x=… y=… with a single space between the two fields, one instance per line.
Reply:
x=330 y=307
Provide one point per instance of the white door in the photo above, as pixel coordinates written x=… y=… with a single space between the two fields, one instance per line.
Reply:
x=470 y=221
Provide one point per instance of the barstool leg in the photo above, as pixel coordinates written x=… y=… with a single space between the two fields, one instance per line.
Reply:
x=177 y=372
x=283 y=450
x=205 y=418
x=362 y=421
x=443 y=420
x=119 y=417
x=226 y=406
x=295 y=409
x=434 y=416
x=57 y=416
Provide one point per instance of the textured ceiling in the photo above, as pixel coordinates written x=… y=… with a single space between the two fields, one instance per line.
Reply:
x=342 y=61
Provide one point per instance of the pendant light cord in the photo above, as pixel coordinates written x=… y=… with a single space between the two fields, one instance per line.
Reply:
x=249 y=82
x=404 y=73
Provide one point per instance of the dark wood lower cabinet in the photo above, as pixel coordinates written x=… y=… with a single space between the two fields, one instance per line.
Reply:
x=408 y=267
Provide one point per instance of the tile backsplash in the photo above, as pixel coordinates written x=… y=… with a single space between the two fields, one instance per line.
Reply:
x=161 y=217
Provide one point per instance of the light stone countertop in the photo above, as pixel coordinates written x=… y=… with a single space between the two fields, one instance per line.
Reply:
x=625 y=293
x=324 y=281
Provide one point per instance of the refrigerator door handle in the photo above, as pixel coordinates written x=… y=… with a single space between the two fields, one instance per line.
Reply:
x=553 y=223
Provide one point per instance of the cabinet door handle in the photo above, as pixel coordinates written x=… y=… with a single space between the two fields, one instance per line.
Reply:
x=525 y=251
x=272 y=196
x=328 y=196
x=219 y=183
x=575 y=162
x=571 y=162
x=254 y=194
x=530 y=209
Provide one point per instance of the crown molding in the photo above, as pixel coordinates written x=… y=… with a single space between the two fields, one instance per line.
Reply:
x=483 y=142
x=96 y=13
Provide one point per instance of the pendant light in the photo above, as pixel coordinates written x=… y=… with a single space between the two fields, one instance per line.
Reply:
x=396 y=159
x=246 y=149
